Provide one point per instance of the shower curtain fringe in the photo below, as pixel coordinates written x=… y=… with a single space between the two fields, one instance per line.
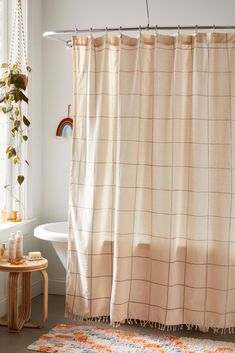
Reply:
x=152 y=324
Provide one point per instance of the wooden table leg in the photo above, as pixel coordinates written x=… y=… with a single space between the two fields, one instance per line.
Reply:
x=45 y=296
x=15 y=324
x=45 y=303
x=26 y=298
x=13 y=301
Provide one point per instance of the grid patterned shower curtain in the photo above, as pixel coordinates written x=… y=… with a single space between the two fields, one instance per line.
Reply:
x=152 y=217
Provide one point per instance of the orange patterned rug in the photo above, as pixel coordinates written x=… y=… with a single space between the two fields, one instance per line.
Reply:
x=93 y=339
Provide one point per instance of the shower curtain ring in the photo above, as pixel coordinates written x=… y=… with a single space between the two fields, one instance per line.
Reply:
x=140 y=30
x=196 y=29
x=178 y=31
x=213 y=28
x=156 y=30
x=106 y=33
x=120 y=31
x=91 y=32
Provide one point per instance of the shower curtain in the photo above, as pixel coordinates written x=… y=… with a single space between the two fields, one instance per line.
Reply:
x=151 y=216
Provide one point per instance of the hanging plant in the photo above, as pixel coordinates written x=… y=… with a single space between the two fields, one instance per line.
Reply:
x=13 y=85
x=13 y=100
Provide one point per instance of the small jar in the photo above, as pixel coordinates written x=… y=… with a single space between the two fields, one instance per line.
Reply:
x=3 y=252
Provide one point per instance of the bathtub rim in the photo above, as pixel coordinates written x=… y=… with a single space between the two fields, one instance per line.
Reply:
x=46 y=232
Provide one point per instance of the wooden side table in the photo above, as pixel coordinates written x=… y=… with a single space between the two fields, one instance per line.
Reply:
x=15 y=321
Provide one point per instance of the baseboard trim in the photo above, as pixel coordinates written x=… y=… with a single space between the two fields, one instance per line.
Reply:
x=36 y=290
x=57 y=286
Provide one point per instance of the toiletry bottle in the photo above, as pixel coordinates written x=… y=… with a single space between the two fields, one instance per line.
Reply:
x=4 y=252
x=19 y=245
x=1 y=252
x=12 y=247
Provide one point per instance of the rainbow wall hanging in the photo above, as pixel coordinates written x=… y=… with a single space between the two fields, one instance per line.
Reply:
x=65 y=127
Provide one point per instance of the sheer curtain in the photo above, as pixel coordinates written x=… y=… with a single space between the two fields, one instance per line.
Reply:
x=152 y=218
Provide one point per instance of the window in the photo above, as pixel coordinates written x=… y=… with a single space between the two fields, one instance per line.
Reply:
x=4 y=165
x=14 y=197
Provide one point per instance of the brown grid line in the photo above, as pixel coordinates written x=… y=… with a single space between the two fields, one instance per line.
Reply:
x=150 y=189
x=157 y=260
x=231 y=188
x=150 y=72
x=153 y=282
x=152 y=95
x=154 y=118
x=151 y=212
x=157 y=143
x=208 y=183
x=153 y=305
x=153 y=165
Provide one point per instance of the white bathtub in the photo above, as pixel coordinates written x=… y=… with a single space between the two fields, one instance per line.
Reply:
x=57 y=234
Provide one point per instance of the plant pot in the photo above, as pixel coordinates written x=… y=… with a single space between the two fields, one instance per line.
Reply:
x=25 y=78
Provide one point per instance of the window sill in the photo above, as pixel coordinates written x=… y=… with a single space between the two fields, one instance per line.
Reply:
x=26 y=227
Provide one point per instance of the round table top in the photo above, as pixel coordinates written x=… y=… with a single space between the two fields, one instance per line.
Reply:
x=28 y=266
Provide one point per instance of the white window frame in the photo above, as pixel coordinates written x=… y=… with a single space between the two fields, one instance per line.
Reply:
x=5 y=26
x=9 y=7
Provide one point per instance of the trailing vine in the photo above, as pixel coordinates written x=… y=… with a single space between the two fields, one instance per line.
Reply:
x=13 y=84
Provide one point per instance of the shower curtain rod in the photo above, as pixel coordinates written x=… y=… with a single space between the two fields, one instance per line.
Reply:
x=54 y=34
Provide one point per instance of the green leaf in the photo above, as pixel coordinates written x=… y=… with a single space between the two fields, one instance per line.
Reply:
x=16 y=160
x=26 y=121
x=2 y=84
x=17 y=81
x=11 y=152
x=15 y=67
x=27 y=162
x=2 y=97
x=14 y=130
x=16 y=94
x=8 y=149
x=20 y=179
x=25 y=138
x=7 y=109
x=17 y=124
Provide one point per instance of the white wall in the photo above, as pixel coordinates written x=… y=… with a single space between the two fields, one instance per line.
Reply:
x=57 y=78
x=34 y=25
